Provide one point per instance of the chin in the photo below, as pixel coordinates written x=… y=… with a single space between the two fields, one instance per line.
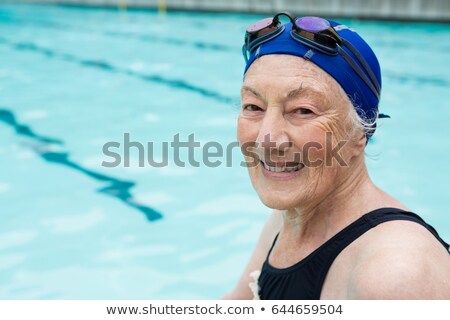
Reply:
x=279 y=200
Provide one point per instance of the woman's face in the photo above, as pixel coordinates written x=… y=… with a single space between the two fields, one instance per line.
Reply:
x=288 y=105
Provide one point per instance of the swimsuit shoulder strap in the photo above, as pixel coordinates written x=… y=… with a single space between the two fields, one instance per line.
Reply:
x=352 y=232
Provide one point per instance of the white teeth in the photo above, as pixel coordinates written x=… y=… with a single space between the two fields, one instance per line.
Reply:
x=283 y=168
x=279 y=169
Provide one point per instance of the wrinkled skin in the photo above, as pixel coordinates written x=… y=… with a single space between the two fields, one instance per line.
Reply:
x=303 y=117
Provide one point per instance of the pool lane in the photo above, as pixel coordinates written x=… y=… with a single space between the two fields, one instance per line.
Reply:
x=119 y=189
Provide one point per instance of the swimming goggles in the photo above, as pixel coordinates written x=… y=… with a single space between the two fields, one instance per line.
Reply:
x=313 y=32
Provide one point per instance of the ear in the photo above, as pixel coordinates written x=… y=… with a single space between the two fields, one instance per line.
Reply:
x=360 y=145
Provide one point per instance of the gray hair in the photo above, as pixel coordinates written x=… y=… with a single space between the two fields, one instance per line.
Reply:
x=366 y=123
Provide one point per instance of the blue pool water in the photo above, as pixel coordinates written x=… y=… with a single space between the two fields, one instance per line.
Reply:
x=73 y=79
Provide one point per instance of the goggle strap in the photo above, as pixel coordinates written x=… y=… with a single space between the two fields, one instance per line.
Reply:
x=312 y=44
x=244 y=53
x=358 y=70
x=326 y=50
x=363 y=63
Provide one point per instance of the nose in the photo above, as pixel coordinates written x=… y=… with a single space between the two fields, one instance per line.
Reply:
x=272 y=137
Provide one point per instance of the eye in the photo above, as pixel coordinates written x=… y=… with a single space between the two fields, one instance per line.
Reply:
x=251 y=108
x=303 y=111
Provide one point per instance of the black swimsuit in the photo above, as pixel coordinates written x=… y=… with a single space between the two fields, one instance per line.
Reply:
x=304 y=280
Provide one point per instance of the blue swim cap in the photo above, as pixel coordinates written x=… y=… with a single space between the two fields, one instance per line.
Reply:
x=364 y=100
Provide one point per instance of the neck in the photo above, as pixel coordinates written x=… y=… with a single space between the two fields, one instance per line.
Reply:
x=348 y=200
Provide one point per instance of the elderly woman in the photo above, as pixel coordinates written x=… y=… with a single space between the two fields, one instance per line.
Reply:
x=309 y=105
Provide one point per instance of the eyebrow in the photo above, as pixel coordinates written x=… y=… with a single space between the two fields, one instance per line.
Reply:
x=296 y=92
x=254 y=92
x=305 y=91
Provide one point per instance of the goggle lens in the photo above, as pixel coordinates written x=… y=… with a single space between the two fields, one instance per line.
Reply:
x=261 y=24
x=312 y=24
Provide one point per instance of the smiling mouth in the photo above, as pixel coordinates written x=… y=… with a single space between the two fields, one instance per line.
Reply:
x=283 y=167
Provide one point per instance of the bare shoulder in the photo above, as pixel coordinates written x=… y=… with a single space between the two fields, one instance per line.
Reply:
x=400 y=260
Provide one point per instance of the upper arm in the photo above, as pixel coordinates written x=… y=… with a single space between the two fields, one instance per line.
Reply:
x=271 y=228
x=403 y=267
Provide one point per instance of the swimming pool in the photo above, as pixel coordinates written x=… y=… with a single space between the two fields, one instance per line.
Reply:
x=73 y=79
